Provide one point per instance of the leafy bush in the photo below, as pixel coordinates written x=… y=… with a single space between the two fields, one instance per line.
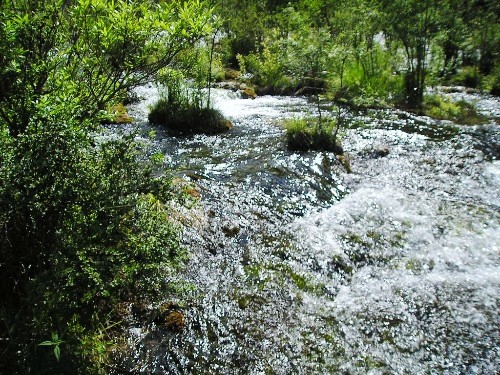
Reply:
x=304 y=134
x=468 y=76
x=365 y=80
x=85 y=228
x=442 y=108
x=268 y=70
x=493 y=81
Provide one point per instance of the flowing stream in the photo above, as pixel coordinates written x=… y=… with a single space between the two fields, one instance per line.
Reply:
x=303 y=268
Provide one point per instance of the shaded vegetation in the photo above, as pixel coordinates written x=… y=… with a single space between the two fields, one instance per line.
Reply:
x=86 y=226
x=188 y=119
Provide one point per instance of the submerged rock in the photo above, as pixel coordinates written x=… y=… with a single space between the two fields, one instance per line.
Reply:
x=175 y=320
x=345 y=161
x=170 y=316
x=380 y=152
x=230 y=230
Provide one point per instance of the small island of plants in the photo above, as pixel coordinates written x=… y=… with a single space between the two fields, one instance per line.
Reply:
x=305 y=134
x=184 y=106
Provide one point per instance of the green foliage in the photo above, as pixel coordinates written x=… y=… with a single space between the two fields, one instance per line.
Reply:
x=304 y=134
x=86 y=226
x=183 y=108
x=55 y=342
x=442 y=108
x=371 y=52
x=413 y=23
x=89 y=50
x=467 y=76
x=245 y=25
x=493 y=81
x=367 y=80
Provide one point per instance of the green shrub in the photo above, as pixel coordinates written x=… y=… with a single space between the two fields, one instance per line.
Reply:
x=184 y=108
x=366 y=80
x=84 y=229
x=306 y=134
x=85 y=226
x=269 y=69
x=468 y=76
x=442 y=108
x=492 y=82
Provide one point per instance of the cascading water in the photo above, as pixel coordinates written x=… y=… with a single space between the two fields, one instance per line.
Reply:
x=302 y=268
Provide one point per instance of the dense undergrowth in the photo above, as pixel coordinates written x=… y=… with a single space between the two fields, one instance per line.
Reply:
x=364 y=53
x=84 y=230
x=86 y=227
x=305 y=134
x=461 y=112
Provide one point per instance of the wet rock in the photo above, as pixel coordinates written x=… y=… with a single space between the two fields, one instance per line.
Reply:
x=118 y=114
x=380 y=152
x=230 y=230
x=243 y=302
x=265 y=90
x=345 y=161
x=194 y=176
x=309 y=90
x=212 y=249
x=246 y=258
x=170 y=316
x=175 y=320
x=228 y=85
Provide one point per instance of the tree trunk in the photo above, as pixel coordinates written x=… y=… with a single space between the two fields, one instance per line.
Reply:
x=414 y=93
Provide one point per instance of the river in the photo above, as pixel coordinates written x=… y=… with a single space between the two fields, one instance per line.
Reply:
x=302 y=268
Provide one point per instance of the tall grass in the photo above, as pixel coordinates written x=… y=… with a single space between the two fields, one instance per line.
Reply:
x=185 y=109
x=304 y=134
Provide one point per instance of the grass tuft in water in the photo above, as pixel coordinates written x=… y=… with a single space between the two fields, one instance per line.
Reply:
x=461 y=112
x=305 y=134
x=188 y=119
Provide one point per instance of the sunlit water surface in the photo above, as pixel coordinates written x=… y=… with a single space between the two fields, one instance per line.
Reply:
x=302 y=268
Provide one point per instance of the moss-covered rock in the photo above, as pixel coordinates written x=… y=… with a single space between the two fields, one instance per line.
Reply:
x=248 y=93
x=169 y=315
x=443 y=108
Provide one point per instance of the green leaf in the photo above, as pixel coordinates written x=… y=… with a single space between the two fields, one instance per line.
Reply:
x=46 y=343
x=57 y=352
